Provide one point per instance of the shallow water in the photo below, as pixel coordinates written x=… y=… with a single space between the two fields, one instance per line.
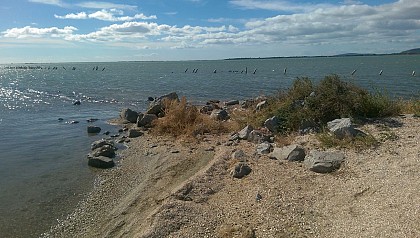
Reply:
x=43 y=161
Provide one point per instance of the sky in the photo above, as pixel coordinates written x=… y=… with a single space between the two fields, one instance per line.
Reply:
x=164 y=30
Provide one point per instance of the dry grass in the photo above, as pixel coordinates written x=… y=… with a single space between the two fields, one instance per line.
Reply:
x=184 y=119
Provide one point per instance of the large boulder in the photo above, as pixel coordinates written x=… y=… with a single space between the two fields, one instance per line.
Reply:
x=323 y=162
x=146 y=120
x=101 y=162
x=232 y=102
x=263 y=148
x=220 y=115
x=290 y=153
x=272 y=124
x=133 y=133
x=342 y=128
x=100 y=143
x=258 y=136
x=157 y=106
x=129 y=115
x=106 y=150
x=241 y=170
x=244 y=133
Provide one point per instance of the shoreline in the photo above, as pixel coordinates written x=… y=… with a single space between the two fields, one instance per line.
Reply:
x=168 y=188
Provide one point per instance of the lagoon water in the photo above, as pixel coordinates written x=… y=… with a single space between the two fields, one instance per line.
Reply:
x=43 y=165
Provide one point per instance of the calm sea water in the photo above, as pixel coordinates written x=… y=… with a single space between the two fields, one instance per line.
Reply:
x=43 y=165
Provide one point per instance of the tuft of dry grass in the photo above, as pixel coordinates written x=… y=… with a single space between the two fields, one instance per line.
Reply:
x=183 y=119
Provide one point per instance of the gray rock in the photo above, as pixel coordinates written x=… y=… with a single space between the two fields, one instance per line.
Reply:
x=106 y=150
x=342 y=128
x=244 y=133
x=323 y=162
x=239 y=155
x=257 y=136
x=100 y=143
x=93 y=129
x=101 y=162
x=220 y=115
x=290 y=153
x=157 y=106
x=129 y=115
x=272 y=124
x=241 y=170
x=263 y=148
x=261 y=105
x=146 y=120
x=133 y=133
x=232 y=102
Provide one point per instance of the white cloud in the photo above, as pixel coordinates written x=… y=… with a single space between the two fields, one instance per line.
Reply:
x=106 y=15
x=105 y=5
x=278 y=5
x=332 y=25
x=28 y=32
x=50 y=2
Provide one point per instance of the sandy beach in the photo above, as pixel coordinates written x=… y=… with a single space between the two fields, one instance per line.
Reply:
x=172 y=188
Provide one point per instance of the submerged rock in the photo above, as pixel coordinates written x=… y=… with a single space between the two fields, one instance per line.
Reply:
x=93 y=129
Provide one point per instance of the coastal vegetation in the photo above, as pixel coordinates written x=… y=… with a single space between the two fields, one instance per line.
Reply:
x=305 y=106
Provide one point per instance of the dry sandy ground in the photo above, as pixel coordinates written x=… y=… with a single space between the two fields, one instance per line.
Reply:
x=164 y=188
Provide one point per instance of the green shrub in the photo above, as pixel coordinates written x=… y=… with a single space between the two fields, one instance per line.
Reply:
x=332 y=98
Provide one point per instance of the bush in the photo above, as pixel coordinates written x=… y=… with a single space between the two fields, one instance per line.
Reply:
x=184 y=119
x=306 y=104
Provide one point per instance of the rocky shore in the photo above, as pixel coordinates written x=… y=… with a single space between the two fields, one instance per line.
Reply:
x=248 y=185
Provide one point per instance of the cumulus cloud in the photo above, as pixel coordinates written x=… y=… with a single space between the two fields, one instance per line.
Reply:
x=27 y=32
x=106 y=15
x=331 y=24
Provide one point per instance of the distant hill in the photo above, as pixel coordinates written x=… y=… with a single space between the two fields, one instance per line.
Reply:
x=415 y=51
x=411 y=52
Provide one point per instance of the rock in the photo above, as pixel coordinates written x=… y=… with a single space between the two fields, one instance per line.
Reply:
x=146 y=120
x=72 y=122
x=93 y=129
x=258 y=136
x=220 y=115
x=105 y=150
x=101 y=162
x=290 y=153
x=129 y=115
x=150 y=99
x=261 y=105
x=157 y=106
x=77 y=102
x=272 y=124
x=239 y=155
x=263 y=148
x=323 y=162
x=247 y=103
x=244 y=133
x=92 y=120
x=232 y=102
x=100 y=143
x=241 y=170
x=133 y=133
x=207 y=109
x=342 y=128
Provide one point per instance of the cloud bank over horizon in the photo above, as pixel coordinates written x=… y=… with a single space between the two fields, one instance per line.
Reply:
x=303 y=28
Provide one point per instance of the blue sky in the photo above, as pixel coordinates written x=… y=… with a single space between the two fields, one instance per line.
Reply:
x=109 y=30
